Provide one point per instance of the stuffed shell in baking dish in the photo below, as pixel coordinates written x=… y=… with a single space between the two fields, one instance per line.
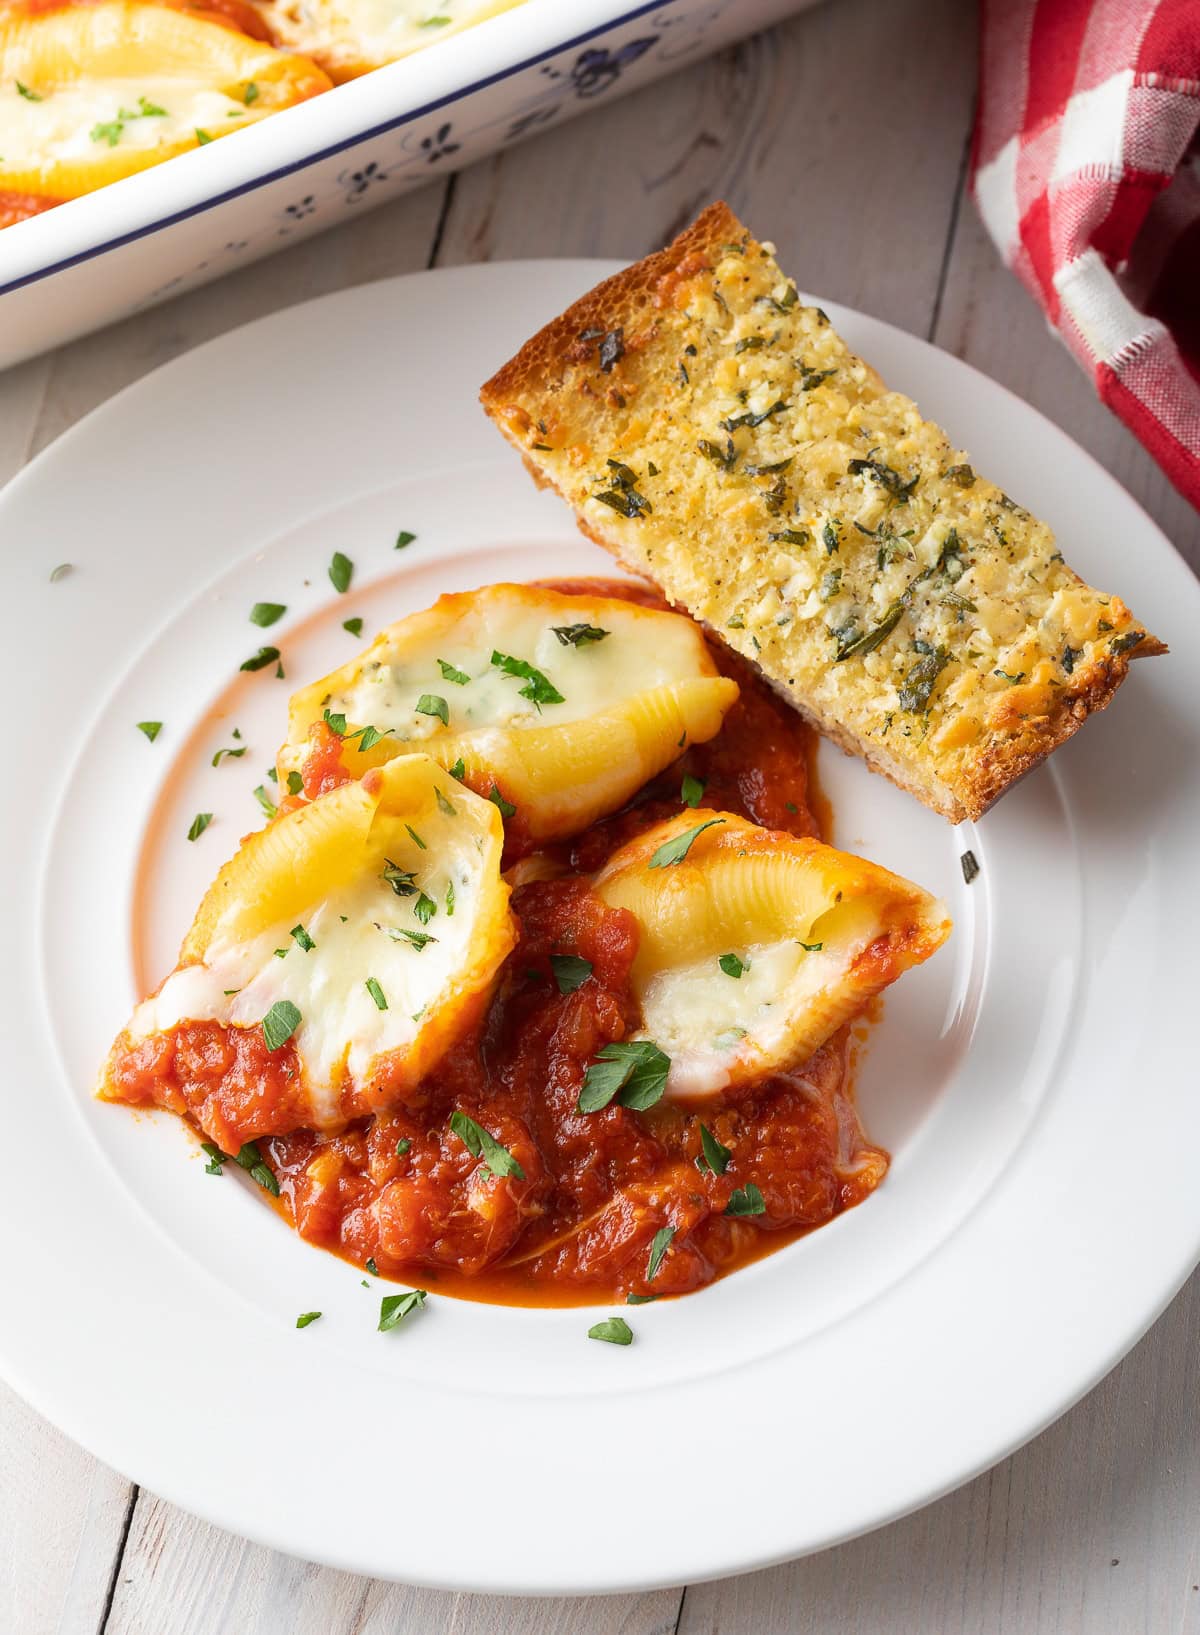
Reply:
x=91 y=93
x=618 y=1068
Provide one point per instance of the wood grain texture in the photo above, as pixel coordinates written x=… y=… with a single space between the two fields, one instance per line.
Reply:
x=206 y=1582
x=843 y=139
x=810 y=133
x=62 y=1524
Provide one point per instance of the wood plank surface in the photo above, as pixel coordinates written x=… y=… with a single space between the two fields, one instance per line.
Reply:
x=844 y=140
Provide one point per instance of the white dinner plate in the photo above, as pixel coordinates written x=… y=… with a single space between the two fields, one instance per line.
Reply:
x=1028 y=1081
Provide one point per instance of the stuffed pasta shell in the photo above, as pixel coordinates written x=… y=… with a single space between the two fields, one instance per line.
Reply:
x=350 y=37
x=555 y=705
x=93 y=93
x=755 y=946
x=334 y=960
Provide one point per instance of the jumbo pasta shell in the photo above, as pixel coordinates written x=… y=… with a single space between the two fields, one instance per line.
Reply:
x=616 y=692
x=92 y=93
x=377 y=913
x=756 y=946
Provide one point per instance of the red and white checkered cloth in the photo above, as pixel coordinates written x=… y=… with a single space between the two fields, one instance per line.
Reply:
x=1086 y=171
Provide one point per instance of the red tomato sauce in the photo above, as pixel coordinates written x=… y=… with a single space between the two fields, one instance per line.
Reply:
x=402 y=1190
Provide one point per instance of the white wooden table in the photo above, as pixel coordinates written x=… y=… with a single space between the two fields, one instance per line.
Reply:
x=842 y=135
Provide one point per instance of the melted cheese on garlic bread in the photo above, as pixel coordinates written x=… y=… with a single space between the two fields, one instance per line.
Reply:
x=720 y=437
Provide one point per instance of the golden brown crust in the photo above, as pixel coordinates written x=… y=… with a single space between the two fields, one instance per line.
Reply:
x=559 y=374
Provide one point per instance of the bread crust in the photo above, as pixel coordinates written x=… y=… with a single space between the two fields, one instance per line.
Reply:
x=633 y=301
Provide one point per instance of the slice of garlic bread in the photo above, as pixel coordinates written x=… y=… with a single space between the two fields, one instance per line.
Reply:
x=720 y=438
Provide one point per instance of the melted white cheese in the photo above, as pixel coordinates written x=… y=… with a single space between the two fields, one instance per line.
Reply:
x=76 y=121
x=378 y=30
x=343 y=1028
x=635 y=656
x=706 y=1021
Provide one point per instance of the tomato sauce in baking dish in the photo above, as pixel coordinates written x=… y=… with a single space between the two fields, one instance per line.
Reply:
x=582 y=1215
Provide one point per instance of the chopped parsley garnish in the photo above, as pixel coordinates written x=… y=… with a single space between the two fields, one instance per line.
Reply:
x=264 y=656
x=250 y=94
x=341 y=571
x=231 y=754
x=612 y=347
x=415 y=837
x=449 y=899
x=884 y=476
x=307 y=1317
x=677 y=848
x=424 y=908
x=749 y=419
x=30 y=96
x=964 y=476
x=691 y=790
x=621 y=494
x=731 y=965
x=538 y=688
x=354 y=626
x=393 y=1308
x=810 y=379
x=505 y=807
x=215 y=1157
x=150 y=728
x=478 y=1141
x=403 y=538
x=1012 y=680
x=812 y=947
x=747 y=1200
x=635 y=1072
x=267 y=613
x=264 y=800
x=725 y=457
x=970 y=866
x=613 y=1329
x=370 y=1265
x=640 y=1299
x=659 y=1245
x=459 y=770
x=419 y=939
x=251 y=1160
x=201 y=138
x=64 y=568
x=433 y=704
x=200 y=822
x=402 y=881
x=578 y=635
x=791 y=536
x=712 y=1154
x=403 y=1147
x=917 y=686
x=830 y=535
x=377 y=994
x=570 y=971
x=295 y=784
x=451 y=672
x=280 y=1022
x=1126 y=642
x=444 y=806
x=302 y=938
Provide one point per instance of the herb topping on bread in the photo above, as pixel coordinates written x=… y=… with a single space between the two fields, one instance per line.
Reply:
x=721 y=439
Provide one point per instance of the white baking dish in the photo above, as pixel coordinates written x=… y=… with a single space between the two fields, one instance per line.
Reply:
x=167 y=229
